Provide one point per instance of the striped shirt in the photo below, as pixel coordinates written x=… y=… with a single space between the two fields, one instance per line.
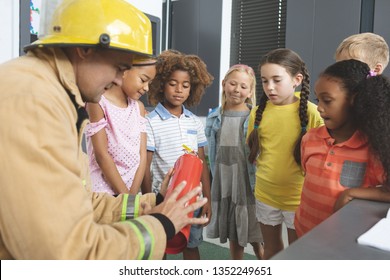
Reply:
x=166 y=135
x=330 y=169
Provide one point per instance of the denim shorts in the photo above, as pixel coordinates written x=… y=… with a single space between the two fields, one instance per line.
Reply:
x=196 y=233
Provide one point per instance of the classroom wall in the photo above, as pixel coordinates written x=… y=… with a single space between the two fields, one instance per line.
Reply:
x=152 y=7
x=9 y=26
x=382 y=23
x=196 y=29
x=316 y=27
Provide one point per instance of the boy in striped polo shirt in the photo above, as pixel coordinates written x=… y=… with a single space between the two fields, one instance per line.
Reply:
x=180 y=80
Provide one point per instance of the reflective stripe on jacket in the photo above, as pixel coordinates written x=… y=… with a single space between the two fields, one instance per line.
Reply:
x=46 y=210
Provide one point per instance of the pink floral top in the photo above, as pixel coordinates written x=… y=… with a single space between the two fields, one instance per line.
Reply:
x=123 y=128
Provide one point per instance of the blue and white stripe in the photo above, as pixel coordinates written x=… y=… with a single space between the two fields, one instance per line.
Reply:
x=166 y=135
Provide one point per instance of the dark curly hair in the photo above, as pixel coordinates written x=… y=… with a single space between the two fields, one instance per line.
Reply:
x=294 y=65
x=350 y=73
x=168 y=62
x=372 y=114
x=371 y=105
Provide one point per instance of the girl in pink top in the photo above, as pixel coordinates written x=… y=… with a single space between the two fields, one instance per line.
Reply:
x=116 y=135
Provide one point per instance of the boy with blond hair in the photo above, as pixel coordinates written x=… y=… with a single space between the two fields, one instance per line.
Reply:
x=367 y=47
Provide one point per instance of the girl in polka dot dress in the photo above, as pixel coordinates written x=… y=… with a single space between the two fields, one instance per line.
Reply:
x=116 y=135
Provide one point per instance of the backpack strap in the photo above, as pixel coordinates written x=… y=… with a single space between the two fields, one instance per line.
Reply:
x=82 y=114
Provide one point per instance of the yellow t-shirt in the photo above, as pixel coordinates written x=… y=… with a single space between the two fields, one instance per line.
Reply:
x=279 y=179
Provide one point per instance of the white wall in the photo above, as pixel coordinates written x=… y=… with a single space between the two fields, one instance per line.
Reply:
x=225 y=40
x=9 y=25
x=151 y=7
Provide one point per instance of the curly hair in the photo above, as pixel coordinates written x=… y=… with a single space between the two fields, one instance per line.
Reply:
x=372 y=114
x=350 y=73
x=371 y=105
x=294 y=65
x=170 y=61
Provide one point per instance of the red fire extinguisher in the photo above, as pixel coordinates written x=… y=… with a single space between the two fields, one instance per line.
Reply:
x=188 y=167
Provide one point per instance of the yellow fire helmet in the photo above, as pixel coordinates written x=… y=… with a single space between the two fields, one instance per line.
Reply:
x=113 y=24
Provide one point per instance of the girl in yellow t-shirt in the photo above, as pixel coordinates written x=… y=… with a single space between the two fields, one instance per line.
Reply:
x=275 y=131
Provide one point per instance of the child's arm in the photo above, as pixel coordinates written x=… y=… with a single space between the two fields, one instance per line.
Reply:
x=376 y=193
x=205 y=179
x=103 y=158
x=211 y=138
x=146 y=186
x=139 y=175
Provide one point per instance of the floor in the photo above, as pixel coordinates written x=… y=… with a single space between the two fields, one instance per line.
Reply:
x=212 y=249
x=247 y=249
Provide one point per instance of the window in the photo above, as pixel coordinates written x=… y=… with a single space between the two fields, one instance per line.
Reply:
x=258 y=26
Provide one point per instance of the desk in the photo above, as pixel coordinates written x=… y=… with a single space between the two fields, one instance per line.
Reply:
x=335 y=238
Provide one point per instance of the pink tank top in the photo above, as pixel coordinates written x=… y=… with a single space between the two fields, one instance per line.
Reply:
x=123 y=128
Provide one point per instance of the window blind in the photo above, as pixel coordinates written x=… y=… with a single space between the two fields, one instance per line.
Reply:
x=258 y=26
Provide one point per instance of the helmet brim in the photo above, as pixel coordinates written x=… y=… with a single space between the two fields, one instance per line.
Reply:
x=48 y=44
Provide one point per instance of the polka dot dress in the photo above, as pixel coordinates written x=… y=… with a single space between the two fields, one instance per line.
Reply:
x=123 y=128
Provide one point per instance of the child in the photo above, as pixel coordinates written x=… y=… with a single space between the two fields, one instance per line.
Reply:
x=232 y=199
x=337 y=158
x=367 y=47
x=116 y=137
x=275 y=129
x=180 y=80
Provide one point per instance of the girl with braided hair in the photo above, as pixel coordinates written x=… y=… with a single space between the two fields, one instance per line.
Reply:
x=348 y=157
x=275 y=131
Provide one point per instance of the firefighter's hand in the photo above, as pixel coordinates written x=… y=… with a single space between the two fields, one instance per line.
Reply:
x=177 y=210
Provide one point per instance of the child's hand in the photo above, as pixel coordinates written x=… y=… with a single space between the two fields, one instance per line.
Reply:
x=206 y=212
x=165 y=182
x=342 y=200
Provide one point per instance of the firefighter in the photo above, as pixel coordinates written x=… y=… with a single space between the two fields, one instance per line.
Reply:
x=46 y=209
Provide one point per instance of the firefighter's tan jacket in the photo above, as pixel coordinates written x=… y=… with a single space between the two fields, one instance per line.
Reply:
x=46 y=211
